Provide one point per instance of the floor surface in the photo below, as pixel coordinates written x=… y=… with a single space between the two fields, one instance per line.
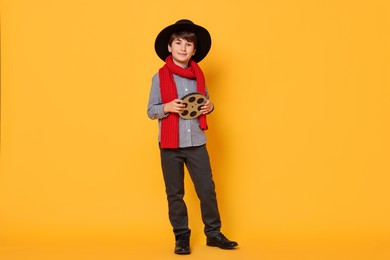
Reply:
x=154 y=249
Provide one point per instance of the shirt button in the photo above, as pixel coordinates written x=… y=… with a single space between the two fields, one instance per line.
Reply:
x=188 y=130
x=186 y=89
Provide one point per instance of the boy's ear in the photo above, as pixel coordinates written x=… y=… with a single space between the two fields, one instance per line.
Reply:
x=169 y=48
x=194 y=52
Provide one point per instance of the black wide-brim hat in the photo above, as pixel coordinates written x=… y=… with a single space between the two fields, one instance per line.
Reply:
x=203 y=39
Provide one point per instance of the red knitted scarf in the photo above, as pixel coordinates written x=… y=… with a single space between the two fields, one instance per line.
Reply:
x=169 y=137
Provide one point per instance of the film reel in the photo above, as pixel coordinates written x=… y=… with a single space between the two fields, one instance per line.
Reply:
x=193 y=104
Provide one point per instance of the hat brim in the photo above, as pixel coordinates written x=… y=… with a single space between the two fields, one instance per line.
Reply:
x=203 y=40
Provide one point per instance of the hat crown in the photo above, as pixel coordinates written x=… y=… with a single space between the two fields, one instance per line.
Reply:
x=184 y=21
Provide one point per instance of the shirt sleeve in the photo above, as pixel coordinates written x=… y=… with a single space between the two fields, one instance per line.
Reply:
x=155 y=105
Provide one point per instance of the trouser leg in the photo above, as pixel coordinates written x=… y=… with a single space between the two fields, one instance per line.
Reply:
x=198 y=165
x=172 y=163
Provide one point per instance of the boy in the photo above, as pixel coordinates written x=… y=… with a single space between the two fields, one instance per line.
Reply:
x=182 y=141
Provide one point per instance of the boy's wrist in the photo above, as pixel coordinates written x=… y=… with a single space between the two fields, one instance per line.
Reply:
x=165 y=109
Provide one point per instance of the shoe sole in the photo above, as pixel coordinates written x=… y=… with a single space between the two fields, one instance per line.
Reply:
x=182 y=253
x=215 y=245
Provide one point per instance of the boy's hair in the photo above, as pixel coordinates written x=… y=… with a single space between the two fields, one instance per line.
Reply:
x=188 y=36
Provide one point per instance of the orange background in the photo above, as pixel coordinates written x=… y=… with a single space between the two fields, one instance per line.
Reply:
x=299 y=140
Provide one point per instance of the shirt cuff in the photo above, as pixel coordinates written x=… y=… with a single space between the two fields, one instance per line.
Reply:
x=161 y=113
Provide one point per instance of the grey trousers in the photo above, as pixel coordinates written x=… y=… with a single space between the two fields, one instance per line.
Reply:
x=197 y=161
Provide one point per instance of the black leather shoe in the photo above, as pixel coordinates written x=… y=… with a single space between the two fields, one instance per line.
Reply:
x=221 y=241
x=182 y=246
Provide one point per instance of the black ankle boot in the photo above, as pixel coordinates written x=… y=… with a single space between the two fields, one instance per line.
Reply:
x=221 y=241
x=182 y=246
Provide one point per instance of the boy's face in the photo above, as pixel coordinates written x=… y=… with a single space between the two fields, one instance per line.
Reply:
x=182 y=51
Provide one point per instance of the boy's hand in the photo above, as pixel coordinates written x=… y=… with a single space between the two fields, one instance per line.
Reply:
x=207 y=107
x=175 y=106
